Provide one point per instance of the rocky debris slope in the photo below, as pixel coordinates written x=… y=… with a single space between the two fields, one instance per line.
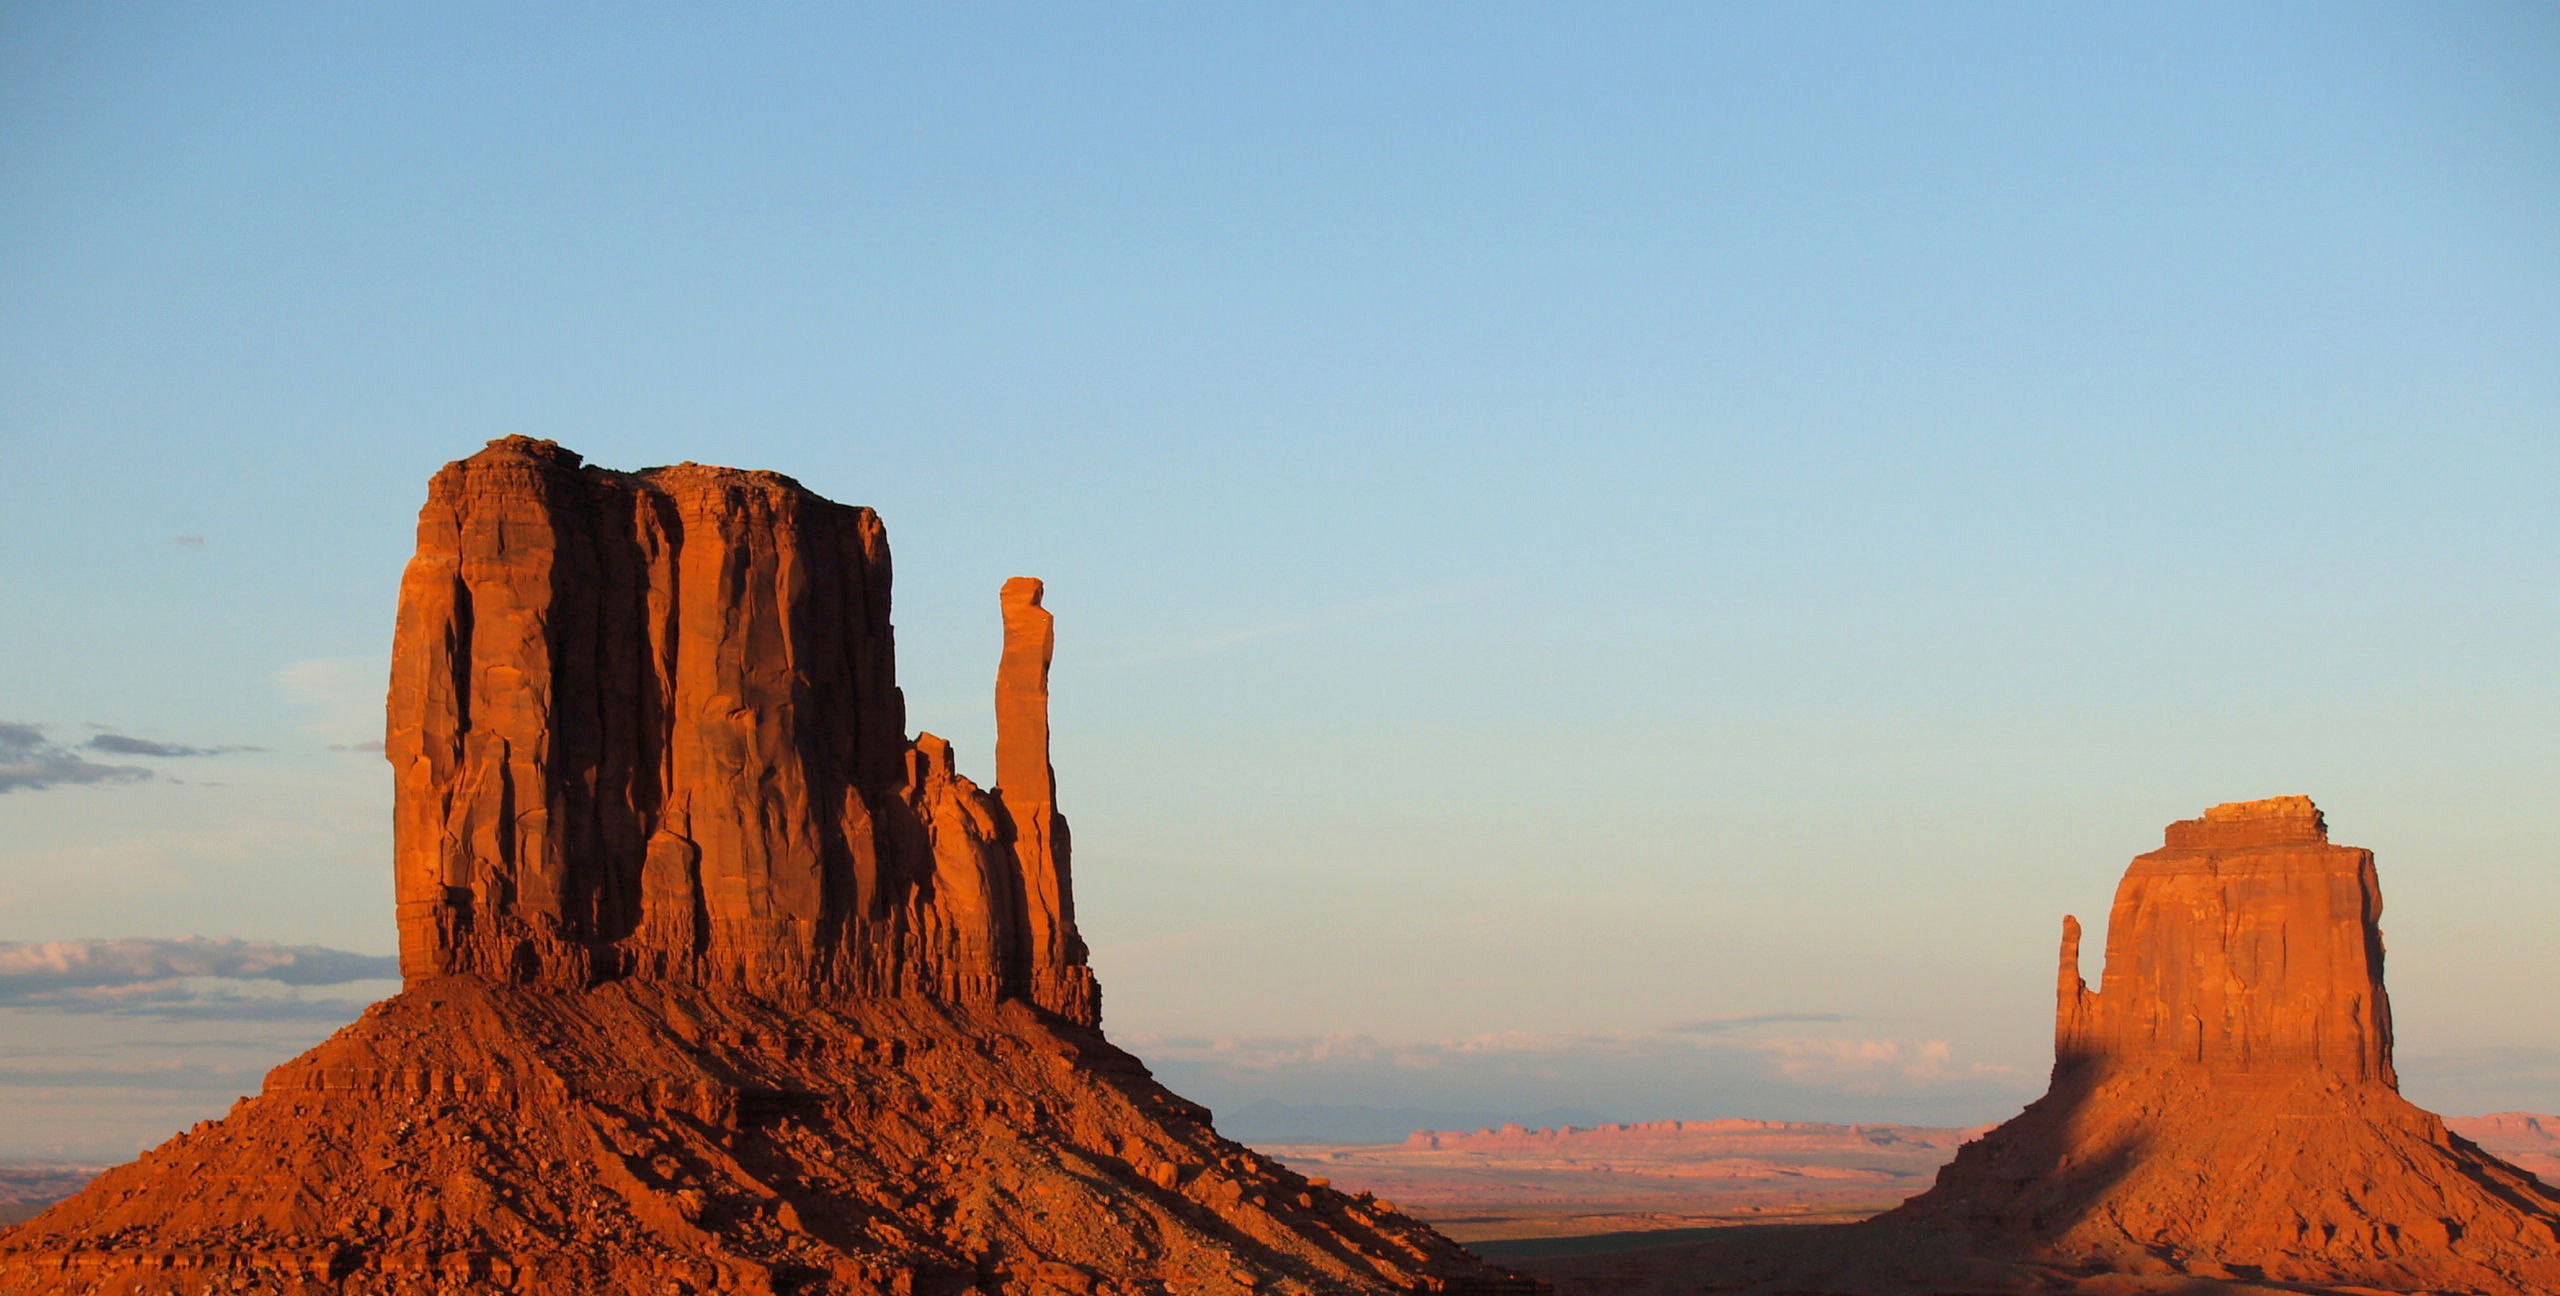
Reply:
x=2225 y=1106
x=636 y=1138
x=716 y=981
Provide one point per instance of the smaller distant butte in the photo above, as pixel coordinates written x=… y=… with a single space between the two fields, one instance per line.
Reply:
x=2223 y=1118
x=2226 y=1106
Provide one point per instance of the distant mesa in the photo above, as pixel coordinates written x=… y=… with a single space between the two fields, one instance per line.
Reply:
x=716 y=979
x=2522 y=1139
x=1677 y=1136
x=2223 y=1120
x=2225 y=1105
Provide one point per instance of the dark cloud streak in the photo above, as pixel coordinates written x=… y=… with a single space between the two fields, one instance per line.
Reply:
x=127 y=745
x=254 y=980
x=31 y=762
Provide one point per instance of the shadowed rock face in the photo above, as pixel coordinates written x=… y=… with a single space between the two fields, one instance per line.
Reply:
x=2225 y=1105
x=716 y=981
x=649 y=724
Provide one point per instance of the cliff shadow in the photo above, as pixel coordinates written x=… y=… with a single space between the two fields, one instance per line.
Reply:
x=2036 y=1178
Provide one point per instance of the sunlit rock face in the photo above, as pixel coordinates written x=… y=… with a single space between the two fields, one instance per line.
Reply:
x=2225 y=1106
x=648 y=724
x=716 y=979
x=2247 y=944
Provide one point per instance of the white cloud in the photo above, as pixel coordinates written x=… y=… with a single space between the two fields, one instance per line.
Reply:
x=1767 y=1065
x=192 y=977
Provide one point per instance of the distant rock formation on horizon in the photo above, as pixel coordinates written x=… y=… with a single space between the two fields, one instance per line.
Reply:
x=715 y=980
x=1678 y=1134
x=2526 y=1140
x=2225 y=1107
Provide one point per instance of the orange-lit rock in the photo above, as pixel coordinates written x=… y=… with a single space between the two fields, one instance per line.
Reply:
x=2223 y=1121
x=716 y=980
x=1028 y=787
x=2224 y=1106
x=2246 y=944
x=648 y=724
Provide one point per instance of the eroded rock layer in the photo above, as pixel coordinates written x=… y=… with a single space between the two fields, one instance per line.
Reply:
x=2224 y=1107
x=716 y=980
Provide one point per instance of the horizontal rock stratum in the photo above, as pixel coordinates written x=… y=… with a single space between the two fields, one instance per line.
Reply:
x=716 y=981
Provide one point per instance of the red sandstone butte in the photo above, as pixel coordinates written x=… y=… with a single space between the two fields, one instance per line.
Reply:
x=650 y=724
x=715 y=980
x=2223 y=1121
x=2224 y=1107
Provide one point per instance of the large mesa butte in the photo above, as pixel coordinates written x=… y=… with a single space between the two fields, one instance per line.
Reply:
x=715 y=979
x=649 y=725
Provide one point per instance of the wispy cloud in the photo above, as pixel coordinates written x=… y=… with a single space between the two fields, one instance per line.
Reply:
x=1760 y=1064
x=190 y=978
x=1872 y=1065
x=128 y=745
x=1798 y=1057
x=1752 y=1021
x=30 y=762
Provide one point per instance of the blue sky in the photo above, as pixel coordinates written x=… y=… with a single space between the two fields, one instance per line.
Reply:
x=1565 y=523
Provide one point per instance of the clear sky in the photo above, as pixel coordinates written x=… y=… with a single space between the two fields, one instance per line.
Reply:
x=1618 y=560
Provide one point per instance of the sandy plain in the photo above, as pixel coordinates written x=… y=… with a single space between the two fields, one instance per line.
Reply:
x=1663 y=1205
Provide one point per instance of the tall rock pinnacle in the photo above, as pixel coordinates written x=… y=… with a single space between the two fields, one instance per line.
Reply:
x=1027 y=785
x=2224 y=1106
x=716 y=981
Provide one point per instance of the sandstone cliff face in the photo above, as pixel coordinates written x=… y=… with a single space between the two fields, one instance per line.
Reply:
x=2248 y=943
x=2224 y=1107
x=648 y=724
x=716 y=980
